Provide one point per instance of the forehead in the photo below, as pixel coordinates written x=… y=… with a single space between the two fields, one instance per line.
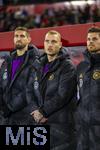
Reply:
x=20 y=32
x=94 y=34
x=52 y=37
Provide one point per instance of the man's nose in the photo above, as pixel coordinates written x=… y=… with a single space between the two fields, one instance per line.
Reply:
x=91 y=40
x=50 y=43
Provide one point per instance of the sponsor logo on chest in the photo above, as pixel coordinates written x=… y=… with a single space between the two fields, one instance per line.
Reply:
x=80 y=80
x=36 y=83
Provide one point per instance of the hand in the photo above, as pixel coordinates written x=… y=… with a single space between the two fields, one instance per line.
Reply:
x=43 y=120
x=37 y=115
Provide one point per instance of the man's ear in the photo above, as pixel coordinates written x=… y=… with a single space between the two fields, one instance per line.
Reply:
x=29 y=39
x=60 y=44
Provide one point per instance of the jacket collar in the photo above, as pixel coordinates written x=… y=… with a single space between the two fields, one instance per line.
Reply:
x=91 y=58
x=63 y=54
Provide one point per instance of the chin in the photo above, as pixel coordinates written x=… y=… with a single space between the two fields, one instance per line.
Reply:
x=50 y=53
x=91 y=49
x=19 y=47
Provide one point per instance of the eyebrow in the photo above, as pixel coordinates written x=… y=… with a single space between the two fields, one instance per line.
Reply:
x=19 y=35
x=51 y=40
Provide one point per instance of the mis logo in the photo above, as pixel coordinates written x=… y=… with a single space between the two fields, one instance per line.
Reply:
x=34 y=137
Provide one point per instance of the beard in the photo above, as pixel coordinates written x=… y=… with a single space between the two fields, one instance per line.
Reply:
x=20 y=46
x=92 y=49
x=52 y=54
x=95 y=51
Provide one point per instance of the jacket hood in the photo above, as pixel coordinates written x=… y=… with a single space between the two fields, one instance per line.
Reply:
x=63 y=54
x=91 y=57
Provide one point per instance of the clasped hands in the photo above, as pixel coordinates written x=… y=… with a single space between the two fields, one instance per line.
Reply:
x=38 y=117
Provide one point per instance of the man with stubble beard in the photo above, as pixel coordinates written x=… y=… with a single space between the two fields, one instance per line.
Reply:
x=57 y=84
x=88 y=78
x=15 y=72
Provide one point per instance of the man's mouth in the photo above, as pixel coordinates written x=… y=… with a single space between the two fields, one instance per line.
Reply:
x=18 y=42
x=50 y=49
x=91 y=45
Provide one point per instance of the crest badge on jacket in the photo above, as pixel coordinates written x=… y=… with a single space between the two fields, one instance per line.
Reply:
x=96 y=74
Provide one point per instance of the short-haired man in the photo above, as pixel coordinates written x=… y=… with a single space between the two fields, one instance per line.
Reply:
x=14 y=76
x=88 y=114
x=57 y=87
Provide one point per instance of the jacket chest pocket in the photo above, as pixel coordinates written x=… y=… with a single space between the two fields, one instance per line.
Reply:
x=95 y=96
x=4 y=84
x=95 y=88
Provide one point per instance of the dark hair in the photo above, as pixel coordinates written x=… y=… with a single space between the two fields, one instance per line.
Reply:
x=22 y=29
x=94 y=29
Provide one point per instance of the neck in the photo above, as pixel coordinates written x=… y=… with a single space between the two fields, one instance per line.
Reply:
x=95 y=52
x=22 y=51
x=52 y=58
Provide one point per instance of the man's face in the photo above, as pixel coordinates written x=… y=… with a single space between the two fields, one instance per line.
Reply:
x=21 y=39
x=52 y=44
x=93 y=42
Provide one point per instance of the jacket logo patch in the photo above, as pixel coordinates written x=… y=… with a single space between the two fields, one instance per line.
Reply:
x=81 y=75
x=96 y=75
x=51 y=77
x=5 y=75
x=36 y=78
x=80 y=80
x=36 y=85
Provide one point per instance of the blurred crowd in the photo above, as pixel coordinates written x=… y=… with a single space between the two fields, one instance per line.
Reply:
x=50 y=17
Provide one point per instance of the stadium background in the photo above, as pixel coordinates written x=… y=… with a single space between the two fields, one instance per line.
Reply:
x=70 y=18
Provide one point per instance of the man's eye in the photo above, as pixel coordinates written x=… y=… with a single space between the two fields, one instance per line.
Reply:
x=16 y=35
x=46 y=41
x=22 y=36
x=54 y=41
x=94 y=39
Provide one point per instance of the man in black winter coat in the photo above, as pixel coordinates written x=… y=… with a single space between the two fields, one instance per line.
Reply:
x=15 y=107
x=57 y=87
x=88 y=76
